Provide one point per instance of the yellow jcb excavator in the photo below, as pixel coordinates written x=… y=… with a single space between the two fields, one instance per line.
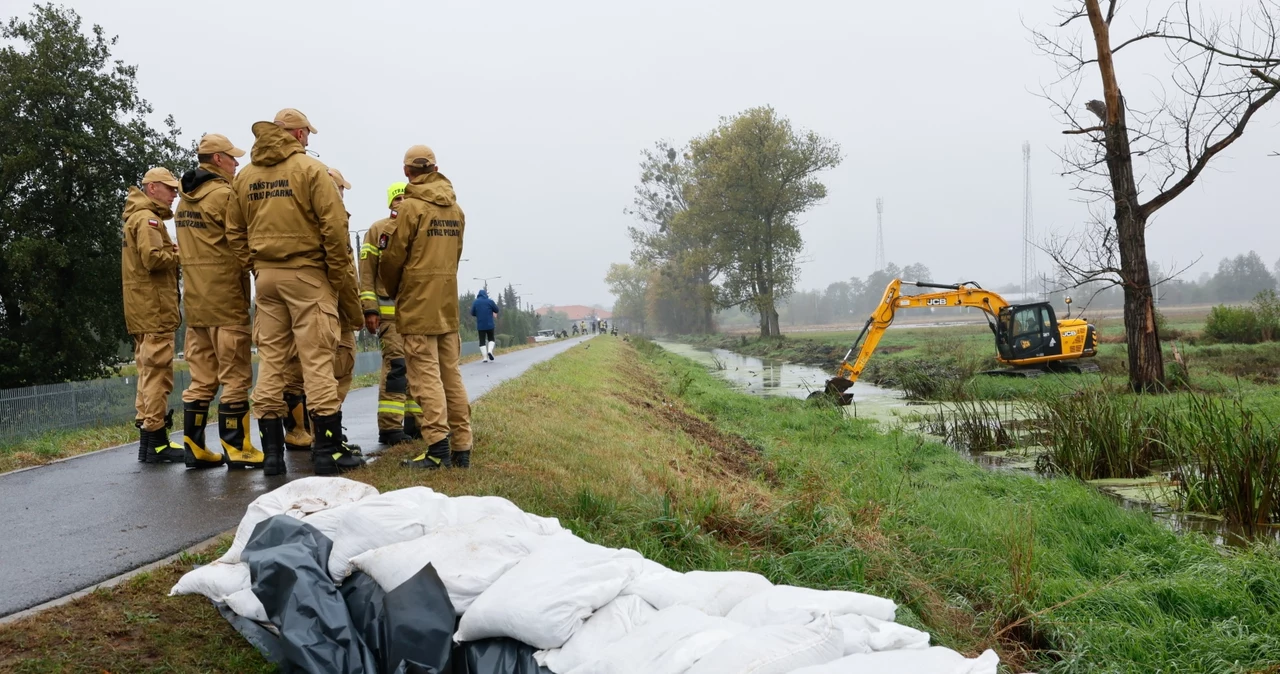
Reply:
x=1028 y=336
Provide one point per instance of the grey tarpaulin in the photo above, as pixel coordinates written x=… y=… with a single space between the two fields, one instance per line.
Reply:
x=358 y=629
x=496 y=656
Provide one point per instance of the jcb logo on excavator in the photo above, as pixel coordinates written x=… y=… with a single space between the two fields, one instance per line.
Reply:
x=939 y=302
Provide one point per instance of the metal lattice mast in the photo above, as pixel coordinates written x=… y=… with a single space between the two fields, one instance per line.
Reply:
x=1028 y=225
x=880 y=261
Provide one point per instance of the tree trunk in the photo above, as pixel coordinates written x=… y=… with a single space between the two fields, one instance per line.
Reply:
x=1146 y=363
x=774 y=329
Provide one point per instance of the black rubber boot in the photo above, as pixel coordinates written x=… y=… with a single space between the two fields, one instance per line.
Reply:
x=271 y=432
x=436 y=456
x=160 y=449
x=233 y=429
x=460 y=459
x=354 y=449
x=194 y=417
x=143 y=438
x=411 y=427
x=395 y=436
x=329 y=455
x=297 y=424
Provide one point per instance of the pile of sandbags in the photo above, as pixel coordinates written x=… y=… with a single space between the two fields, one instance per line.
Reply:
x=525 y=588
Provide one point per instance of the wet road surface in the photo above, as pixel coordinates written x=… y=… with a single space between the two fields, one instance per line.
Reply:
x=76 y=523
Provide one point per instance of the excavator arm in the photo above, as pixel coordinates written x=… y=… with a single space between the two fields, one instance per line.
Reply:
x=967 y=294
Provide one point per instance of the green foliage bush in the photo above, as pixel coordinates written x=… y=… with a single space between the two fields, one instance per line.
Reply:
x=1237 y=325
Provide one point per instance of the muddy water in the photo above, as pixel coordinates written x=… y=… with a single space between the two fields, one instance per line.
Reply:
x=766 y=377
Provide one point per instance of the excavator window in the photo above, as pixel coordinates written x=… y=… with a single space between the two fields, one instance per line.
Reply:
x=1029 y=331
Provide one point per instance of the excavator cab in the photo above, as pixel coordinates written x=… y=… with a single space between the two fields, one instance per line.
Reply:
x=1027 y=331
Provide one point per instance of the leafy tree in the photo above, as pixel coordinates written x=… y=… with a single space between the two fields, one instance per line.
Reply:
x=751 y=178
x=1242 y=277
x=669 y=239
x=75 y=136
x=630 y=284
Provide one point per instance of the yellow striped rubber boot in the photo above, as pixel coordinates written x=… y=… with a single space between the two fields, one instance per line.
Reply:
x=194 y=417
x=297 y=424
x=237 y=442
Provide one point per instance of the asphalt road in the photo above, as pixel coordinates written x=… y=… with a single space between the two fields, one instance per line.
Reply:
x=76 y=523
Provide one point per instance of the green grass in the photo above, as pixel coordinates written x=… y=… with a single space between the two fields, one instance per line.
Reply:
x=639 y=448
x=54 y=445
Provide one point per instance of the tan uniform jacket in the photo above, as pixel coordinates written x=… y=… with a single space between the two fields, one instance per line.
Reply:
x=148 y=267
x=285 y=211
x=215 y=286
x=371 y=287
x=419 y=265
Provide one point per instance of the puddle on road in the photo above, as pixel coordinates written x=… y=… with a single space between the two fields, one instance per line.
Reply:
x=766 y=377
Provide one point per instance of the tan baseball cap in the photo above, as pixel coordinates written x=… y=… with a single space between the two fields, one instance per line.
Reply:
x=337 y=178
x=419 y=155
x=292 y=118
x=213 y=143
x=161 y=174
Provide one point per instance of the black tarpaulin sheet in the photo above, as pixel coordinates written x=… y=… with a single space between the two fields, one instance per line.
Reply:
x=357 y=628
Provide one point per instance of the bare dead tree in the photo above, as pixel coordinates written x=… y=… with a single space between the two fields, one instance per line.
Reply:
x=1138 y=154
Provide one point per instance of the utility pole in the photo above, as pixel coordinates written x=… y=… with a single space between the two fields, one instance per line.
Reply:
x=1028 y=225
x=880 y=261
x=485 y=280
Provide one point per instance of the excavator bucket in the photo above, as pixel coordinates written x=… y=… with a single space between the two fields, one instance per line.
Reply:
x=837 y=390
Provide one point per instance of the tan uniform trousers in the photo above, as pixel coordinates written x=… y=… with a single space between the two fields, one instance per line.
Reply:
x=297 y=311
x=216 y=356
x=153 y=353
x=344 y=364
x=393 y=384
x=435 y=383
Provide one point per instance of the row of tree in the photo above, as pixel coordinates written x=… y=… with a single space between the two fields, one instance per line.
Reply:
x=719 y=223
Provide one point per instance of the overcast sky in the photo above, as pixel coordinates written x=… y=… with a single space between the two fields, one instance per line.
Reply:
x=538 y=113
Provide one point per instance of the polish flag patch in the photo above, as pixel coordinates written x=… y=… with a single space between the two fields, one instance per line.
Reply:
x=153 y=223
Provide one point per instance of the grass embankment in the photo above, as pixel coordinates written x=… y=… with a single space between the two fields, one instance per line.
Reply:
x=54 y=445
x=649 y=451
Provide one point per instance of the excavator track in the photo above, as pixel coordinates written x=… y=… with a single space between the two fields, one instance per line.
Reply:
x=1060 y=367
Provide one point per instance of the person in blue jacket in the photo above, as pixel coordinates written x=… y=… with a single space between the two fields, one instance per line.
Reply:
x=485 y=309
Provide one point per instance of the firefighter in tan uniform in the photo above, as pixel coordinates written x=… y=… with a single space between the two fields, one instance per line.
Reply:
x=285 y=221
x=380 y=320
x=149 y=270
x=419 y=268
x=216 y=294
x=344 y=360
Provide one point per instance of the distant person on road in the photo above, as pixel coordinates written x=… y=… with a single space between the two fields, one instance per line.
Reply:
x=287 y=223
x=575 y=329
x=394 y=425
x=149 y=270
x=420 y=270
x=485 y=310
x=584 y=326
x=218 y=336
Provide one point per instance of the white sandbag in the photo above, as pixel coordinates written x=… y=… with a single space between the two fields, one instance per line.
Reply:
x=672 y=640
x=934 y=660
x=246 y=603
x=775 y=649
x=712 y=592
x=781 y=604
x=468 y=559
x=863 y=635
x=298 y=498
x=546 y=597
x=468 y=509
x=607 y=625
x=377 y=521
x=215 y=581
x=327 y=521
